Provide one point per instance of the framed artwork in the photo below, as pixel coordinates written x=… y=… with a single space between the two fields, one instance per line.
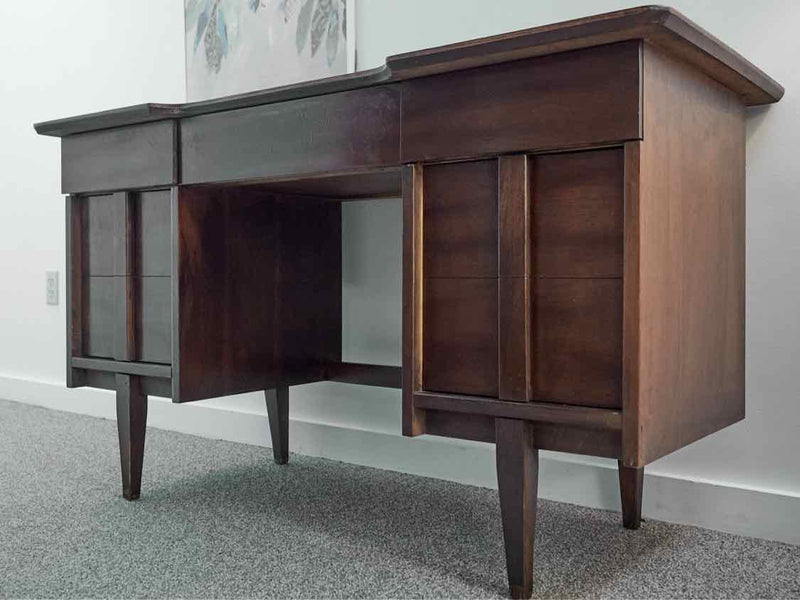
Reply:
x=238 y=46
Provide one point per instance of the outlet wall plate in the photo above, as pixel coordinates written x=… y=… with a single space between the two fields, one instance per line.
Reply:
x=52 y=287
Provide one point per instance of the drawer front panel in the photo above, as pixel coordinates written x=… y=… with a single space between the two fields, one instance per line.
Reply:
x=460 y=336
x=104 y=222
x=578 y=341
x=128 y=318
x=350 y=130
x=460 y=331
x=101 y=334
x=153 y=318
x=121 y=247
x=128 y=234
x=567 y=100
x=153 y=234
x=578 y=213
x=118 y=159
x=521 y=278
x=460 y=215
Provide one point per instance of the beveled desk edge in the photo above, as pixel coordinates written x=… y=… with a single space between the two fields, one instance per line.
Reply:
x=659 y=25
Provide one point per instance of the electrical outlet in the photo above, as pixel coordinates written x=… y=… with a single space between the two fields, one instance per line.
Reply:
x=52 y=287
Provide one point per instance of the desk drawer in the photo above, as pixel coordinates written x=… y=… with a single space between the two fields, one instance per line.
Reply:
x=120 y=282
x=567 y=100
x=133 y=157
x=127 y=318
x=521 y=277
x=127 y=234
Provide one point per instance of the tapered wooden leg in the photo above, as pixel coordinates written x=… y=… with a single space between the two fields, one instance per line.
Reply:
x=517 y=481
x=631 y=480
x=278 y=411
x=131 y=424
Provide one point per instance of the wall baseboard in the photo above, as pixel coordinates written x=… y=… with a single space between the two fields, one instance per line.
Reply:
x=576 y=480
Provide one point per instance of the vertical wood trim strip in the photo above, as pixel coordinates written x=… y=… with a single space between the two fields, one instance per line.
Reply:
x=630 y=309
x=176 y=297
x=514 y=317
x=124 y=292
x=413 y=418
x=74 y=288
x=419 y=275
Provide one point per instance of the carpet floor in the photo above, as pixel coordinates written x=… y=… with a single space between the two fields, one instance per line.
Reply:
x=220 y=520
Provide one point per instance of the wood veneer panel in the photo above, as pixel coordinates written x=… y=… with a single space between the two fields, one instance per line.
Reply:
x=259 y=291
x=558 y=438
x=578 y=213
x=657 y=24
x=101 y=315
x=460 y=336
x=413 y=419
x=74 y=287
x=227 y=252
x=691 y=296
x=351 y=130
x=515 y=321
x=579 y=98
x=153 y=319
x=153 y=238
x=133 y=157
x=578 y=341
x=460 y=216
x=105 y=235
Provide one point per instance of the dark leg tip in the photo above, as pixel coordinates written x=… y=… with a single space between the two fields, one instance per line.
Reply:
x=130 y=495
x=632 y=523
x=281 y=460
x=519 y=592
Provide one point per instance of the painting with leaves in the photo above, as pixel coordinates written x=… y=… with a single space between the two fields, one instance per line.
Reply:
x=237 y=46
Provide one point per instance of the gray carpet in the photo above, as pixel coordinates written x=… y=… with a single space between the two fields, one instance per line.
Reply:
x=218 y=519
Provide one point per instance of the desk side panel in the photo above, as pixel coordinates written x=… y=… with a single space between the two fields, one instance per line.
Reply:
x=691 y=274
x=348 y=131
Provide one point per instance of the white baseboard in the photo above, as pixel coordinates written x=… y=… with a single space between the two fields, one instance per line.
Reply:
x=576 y=480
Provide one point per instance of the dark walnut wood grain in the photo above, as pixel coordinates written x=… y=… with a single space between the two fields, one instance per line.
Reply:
x=691 y=261
x=578 y=341
x=517 y=483
x=312 y=135
x=578 y=209
x=277 y=400
x=536 y=104
x=548 y=436
x=631 y=481
x=460 y=220
x=573 y=245
x=131 y=425
x=659 y=25
x=259 y=291
x=460 y=336
x=117 y=159
x=153 y=238
x=515 y=286
x=74 y=287
x=413 y=299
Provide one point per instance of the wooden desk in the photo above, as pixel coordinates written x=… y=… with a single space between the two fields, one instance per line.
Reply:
x=573 y=245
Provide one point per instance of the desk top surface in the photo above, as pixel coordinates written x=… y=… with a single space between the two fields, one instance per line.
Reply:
x=658 y=25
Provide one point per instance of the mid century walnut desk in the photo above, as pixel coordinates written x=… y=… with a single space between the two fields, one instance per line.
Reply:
x=573 y=245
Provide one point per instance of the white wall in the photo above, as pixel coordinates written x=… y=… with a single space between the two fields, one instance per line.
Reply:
x=66 y=58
